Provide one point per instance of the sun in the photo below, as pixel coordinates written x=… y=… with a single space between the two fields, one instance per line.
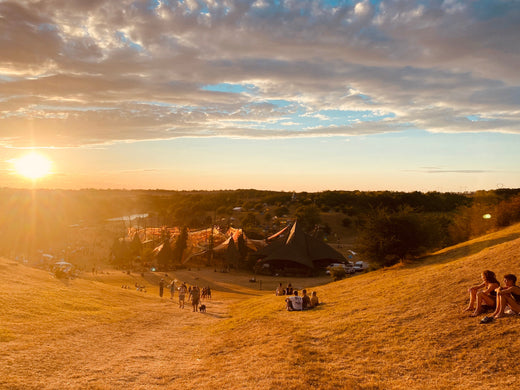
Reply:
x=33 y=166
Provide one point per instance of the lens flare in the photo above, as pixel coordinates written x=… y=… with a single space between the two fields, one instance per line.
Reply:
x=32 y=166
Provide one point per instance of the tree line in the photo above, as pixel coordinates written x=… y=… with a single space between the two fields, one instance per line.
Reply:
x=390 y=226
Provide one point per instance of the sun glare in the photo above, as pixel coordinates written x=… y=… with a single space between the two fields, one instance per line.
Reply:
x=33 y=166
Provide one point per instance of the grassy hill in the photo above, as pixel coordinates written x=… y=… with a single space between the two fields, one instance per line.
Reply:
x=396 y=328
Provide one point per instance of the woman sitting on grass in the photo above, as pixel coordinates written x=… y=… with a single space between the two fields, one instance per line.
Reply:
x=508 y=296
x=483 y=295
x=314 y=299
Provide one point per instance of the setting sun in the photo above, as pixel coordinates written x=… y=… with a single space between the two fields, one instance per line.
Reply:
x=33 y=166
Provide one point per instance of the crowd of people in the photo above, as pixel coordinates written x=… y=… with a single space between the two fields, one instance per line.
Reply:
x=192 y=294
x=295 y=301
x=490 y=295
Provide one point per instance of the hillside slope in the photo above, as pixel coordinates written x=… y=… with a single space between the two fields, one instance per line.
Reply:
x=92 y=334
x=395 y=328
x=391 y=329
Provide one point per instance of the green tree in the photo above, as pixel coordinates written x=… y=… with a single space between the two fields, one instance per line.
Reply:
x=136 y=245
x=249 y=220
x=180 y=245
x=248 y=205
x=281 y=211
x=242 y=247
x=165 y=255
x=508 y=212
x=388 y=237
x=120 y=254
x=308 y=216
x=346 y=222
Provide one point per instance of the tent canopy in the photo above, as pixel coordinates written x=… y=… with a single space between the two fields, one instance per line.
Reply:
x=299 y=249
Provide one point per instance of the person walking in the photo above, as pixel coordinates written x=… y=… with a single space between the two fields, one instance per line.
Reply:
x=182 y=295
x=161 y=288
x=172 y=289
x=195 y=298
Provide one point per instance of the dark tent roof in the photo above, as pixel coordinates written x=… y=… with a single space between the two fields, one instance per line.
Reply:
x=232 y=254
x=164 y=252
x=234 y=237
x=299 y=248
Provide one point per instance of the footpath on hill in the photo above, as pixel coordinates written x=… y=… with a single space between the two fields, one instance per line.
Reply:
x=158 y=346
x=91 y=333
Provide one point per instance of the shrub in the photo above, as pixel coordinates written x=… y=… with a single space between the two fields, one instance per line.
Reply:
x=346 y=222
x=508 y=212
x=337 y=273
x=308 y=216
x=388 y=237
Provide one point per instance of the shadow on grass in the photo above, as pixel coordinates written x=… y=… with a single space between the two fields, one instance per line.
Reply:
x=215 y=315
x=321 y=306
x=462 y=251
x=196 y=280
x=217 y=286
x=65 y=281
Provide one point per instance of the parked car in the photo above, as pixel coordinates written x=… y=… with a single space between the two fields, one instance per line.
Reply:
x=349 y=268
x=360 y=266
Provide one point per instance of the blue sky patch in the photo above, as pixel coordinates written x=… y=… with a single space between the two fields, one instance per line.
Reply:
x=229 y=88
x=126 y=40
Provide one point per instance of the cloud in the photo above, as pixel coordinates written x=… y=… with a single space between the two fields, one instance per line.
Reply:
x=75 y=73
x=436 y=170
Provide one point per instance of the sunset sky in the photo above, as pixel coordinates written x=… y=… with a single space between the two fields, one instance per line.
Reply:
x=281 y=95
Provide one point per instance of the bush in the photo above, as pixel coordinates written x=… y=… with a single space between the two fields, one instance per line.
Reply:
x=389 y=237
x=249 y=221
x=337 y=273
x=346 y=222
x=508 y=212
x=308 y=217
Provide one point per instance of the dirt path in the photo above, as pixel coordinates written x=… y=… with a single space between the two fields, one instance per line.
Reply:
x=158 y=347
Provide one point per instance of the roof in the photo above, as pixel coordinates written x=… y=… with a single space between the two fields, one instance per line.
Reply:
x=299 y=248
x=234 y=235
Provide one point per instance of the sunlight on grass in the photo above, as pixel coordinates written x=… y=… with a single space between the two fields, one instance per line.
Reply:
x=405 y=325
x=6 y=335
x=396 y=328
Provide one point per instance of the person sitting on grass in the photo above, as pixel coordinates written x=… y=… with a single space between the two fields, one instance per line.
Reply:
x=314 y=299
x=508 y=296
x=306 y=300
x=294 y=303
x=483 y=295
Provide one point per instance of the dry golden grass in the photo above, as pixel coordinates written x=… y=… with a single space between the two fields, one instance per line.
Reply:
x=391 y=329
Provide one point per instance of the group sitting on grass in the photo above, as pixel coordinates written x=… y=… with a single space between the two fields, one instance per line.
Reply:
x=489 y=295
x=304 y=302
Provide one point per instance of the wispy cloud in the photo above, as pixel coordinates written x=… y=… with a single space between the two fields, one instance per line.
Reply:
x=75 y=73
x=444 y=170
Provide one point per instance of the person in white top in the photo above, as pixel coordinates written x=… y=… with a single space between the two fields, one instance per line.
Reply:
x=294 y=303
x=182 y=294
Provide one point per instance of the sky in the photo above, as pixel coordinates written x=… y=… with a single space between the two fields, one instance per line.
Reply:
x=277 y=95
